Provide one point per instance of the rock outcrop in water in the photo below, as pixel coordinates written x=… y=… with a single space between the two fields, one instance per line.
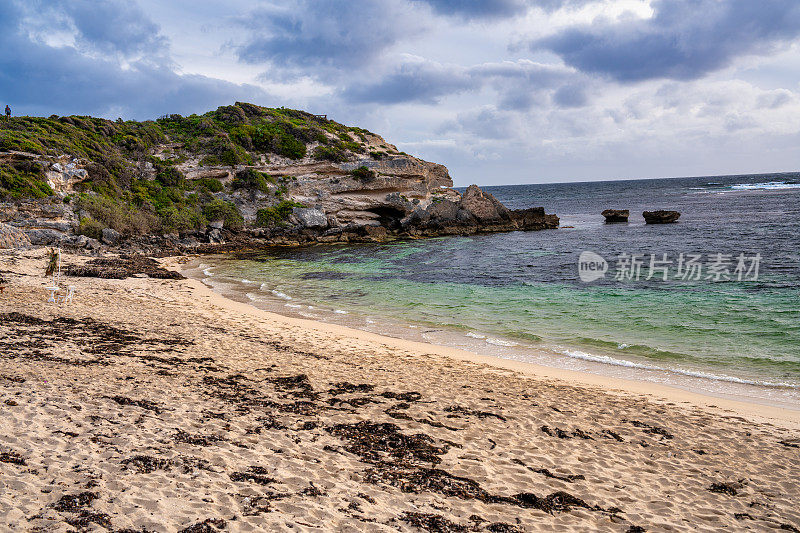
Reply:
x=242 y=174
x=614 y=216
x=660 y=217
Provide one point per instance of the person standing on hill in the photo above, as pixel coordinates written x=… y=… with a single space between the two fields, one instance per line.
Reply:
x=8 y=112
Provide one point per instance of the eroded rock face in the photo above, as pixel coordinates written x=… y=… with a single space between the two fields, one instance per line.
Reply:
x=483 y=206
x=400 y=184
x=11 y=237
x=661 y=217
x=43 y=221
x=110 y=236
x=310 y=217
x=616 y=215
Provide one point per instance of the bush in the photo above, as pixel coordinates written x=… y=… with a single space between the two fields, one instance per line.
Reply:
x=363 y=174
x=209 y=184
x=90 y=227
x=210 y=161
x=252 y=180
x=276 y=214
x=225 y=211
x=170 y=176
x=116 y=214
x=23 y=181
x=330 y=153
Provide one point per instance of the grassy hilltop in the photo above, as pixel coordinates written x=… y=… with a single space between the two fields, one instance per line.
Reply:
x=134 y=185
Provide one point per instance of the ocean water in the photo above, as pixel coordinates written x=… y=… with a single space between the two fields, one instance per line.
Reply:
x=725 y=321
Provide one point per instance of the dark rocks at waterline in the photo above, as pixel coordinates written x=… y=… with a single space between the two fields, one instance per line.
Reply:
x=476 y=212
x=614 y=216
x=660 y=217
x=483 y=205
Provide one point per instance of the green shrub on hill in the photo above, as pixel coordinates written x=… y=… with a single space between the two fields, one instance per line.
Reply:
x=333 y=154
x=252 y=180
x=90 y=227
x=116 y=195
x=226 y=211
x=277 y=214
x=23 y=180
x=363 y=174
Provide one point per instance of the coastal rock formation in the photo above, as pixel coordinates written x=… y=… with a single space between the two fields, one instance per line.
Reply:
x=616 y=215
x=11 y=237
x=483 y=206
x=43 y=222
x=660 y=217
x=309 y=218
x=239 y=176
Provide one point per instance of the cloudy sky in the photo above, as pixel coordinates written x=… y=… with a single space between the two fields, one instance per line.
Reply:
x=500 y=91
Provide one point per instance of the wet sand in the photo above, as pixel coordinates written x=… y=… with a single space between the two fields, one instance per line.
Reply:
x=157 y=405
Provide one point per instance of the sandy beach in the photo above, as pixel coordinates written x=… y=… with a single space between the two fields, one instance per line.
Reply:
x=157 y=405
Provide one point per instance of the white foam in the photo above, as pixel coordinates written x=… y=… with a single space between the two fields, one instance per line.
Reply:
x=341 y=312
x=308 y=315
x=577 y=354
x=475 y=335
x=767 y=185
x=281 y=295
x=207 y=271
x=248 y=281
x=293 y=306
x=499 y=342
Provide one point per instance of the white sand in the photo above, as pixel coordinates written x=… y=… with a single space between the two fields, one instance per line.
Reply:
x=183 y=417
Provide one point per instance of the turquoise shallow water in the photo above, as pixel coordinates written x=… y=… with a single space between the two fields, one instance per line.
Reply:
x=519 y=294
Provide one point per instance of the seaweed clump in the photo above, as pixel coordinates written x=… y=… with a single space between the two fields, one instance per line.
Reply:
x=120 y=268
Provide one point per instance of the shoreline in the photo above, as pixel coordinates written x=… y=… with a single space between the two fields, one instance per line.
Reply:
x=760 y=408
x=788 y=417
x=155 y=404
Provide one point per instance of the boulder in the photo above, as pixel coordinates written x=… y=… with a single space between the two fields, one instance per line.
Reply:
x=616 y=215
x=660 y=217
x=44 y=236
x=443 y=211
x=483 y=205
x=309 y=217
x=215 y=236
x=534 y=218
x=417 y=217
x=110 y=236
x=216 y=224
x=465 y=217
x=11 y=237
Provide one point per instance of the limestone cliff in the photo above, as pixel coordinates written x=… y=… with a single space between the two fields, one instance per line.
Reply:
x=240 y=173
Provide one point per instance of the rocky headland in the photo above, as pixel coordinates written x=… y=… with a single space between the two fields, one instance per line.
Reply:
x=241 y=176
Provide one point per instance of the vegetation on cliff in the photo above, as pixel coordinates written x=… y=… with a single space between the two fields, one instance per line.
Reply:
x=133 y=185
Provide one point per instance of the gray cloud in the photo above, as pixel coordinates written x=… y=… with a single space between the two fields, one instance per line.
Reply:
x=111 y=26
x=519 y=84
x=37 y=78
x=472 y=9
x=496 y=9
x=684 y=40
x=423 y=82
x=525 y=84
x=317 y=37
